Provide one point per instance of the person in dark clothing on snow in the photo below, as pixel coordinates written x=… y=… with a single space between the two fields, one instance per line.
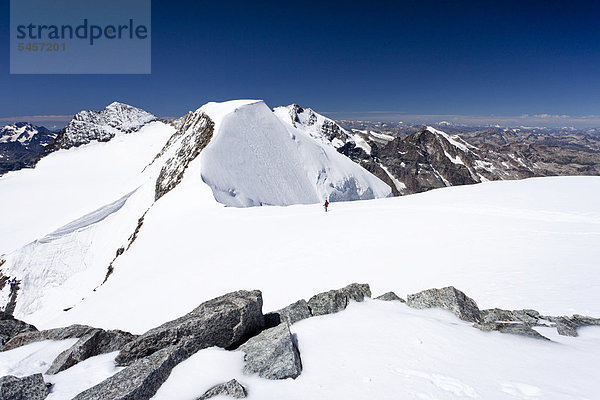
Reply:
x=326 y=205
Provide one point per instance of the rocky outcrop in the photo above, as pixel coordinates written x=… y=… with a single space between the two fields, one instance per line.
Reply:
x=272 y=354
x=514 y=329
x=9 y=288
x=448 y=298
x=93 y=343
x=390 y=296
x=11 y=327
x=225 y=322
x=140 y=380
x=567 y=326
x=231 y=389
x=526 y=317
x=73 y=331
x=336 y=300
x=291 y=314
x=191 y=138
x=235 y=322
x=30 y=387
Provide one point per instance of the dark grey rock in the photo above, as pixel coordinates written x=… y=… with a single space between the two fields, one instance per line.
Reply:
x=232 y=389
x=494 y=315
x=73 y=331
x=224 y=322
x=30 y=387
x=140 y=380
x=291 y=314
x=567 y=326
x=336 y=300
x=390 y=296
x=528 y=317
x=10 y=327
x=512 y=328
x=448 y=298
x=272 y=354
x=194 y=133
x=93 y=343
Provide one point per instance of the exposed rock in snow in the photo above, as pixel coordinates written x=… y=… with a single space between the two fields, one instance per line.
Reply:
x=512 y=328
x=567 y=326
x=86 y=126
x=316 y=125
x=390 y=296
x=73 y=331
x=272 y=354
x=231 y=389
x=30 y=387
x=336 y=300
x=139 y=381
x=192 y=136
x=95 y=342
x=291 y=314
x=224 y=322
x=11 y=327
x=9 y=290
x=448 y=298
x=527 y=317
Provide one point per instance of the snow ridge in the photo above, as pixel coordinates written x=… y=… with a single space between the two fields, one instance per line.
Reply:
x=256 y=159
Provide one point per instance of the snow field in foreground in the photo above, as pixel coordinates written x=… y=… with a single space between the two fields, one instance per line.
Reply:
x=513 y=245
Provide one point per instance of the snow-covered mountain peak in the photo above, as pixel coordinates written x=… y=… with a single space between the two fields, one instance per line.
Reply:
x=21 y=132
x=248 y=156
x=86 y=126
x=320 y=127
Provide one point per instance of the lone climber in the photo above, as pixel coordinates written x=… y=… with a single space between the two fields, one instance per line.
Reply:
x=326 y=205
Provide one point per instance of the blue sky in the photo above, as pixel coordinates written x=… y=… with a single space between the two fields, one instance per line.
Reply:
x=500 y=60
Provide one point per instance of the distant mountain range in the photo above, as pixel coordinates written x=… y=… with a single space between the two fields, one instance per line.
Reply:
x=408 y=158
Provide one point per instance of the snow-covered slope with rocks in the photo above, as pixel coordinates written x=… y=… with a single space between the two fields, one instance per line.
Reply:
x=64 y=221
x=252 y=158
x=133 y=233
x=97 y=195
x=87 y=126
x=531 y=244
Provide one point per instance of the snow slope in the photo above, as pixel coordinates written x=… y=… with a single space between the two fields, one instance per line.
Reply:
x=64 y=220
x=96 y=195
x=255 y=159
x=68 y=184
x=517 y=244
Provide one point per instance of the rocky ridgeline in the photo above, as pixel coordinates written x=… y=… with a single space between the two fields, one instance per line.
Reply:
x=235 y=321
x=194 y=133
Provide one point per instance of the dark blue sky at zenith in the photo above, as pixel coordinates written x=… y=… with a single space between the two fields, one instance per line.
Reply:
x=346 y=59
